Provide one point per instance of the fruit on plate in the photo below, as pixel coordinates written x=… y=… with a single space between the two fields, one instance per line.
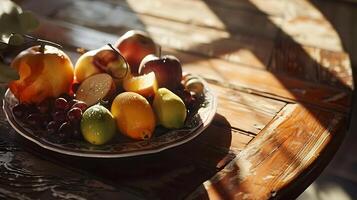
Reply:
x=106 y=59
x=194 y=85
x=98 y=125
x=145 y=85
x=43 y=74
x=95 y=88
x=134 y=45
x=112 y=62
x=134 y=115
x=170 y=110
x=167 y=69
x=85 y=67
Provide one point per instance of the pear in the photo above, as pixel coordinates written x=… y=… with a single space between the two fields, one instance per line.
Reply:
x=170 y=110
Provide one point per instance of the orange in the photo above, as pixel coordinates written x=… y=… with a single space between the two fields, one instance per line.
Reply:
x=145 y=85
x=134 y=115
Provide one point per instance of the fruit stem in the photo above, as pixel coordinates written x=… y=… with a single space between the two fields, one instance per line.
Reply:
x=116 y=51
x=118 y=54
x=81 y=50
x=42 y=42
x=159 y=46
x=42 y=48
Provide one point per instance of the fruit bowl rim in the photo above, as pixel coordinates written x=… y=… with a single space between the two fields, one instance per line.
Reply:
x=51 y=147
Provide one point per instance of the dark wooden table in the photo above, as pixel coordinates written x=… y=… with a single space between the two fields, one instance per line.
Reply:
x=284 y=86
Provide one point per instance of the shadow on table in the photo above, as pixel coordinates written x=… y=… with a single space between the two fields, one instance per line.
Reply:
x=291 y=59
x=196 y=160
x=157 y=176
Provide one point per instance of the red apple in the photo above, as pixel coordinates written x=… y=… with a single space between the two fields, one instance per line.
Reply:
x=134 y=45
x=167 y=69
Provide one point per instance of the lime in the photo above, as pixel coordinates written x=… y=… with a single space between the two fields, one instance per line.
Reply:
x=98 y=125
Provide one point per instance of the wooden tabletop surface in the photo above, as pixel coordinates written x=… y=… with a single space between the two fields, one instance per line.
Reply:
x=284 y=86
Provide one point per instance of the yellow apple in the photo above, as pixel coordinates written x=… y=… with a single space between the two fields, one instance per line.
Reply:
x=102 y=60
x=85 y=67
x=42 y=74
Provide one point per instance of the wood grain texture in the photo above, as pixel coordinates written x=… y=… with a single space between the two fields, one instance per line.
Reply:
x=281 y=75
x=277 y=156
x=253 y=112
x=191 y=12
x=242 y=48
x=240 y=76
x=312 y=64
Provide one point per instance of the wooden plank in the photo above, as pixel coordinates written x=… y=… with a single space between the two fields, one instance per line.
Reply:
x=266 y=7
x=237 y=76
x=304 y=16
x=272 y=85
x=244 y=111
x=342 y=17
x=242 y=48
x=287 y=147
x=270 y=7
x=311 y=63
x=191 y=12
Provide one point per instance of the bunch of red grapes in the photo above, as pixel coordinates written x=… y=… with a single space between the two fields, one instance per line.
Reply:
x=58 y=119
x=191 y=100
